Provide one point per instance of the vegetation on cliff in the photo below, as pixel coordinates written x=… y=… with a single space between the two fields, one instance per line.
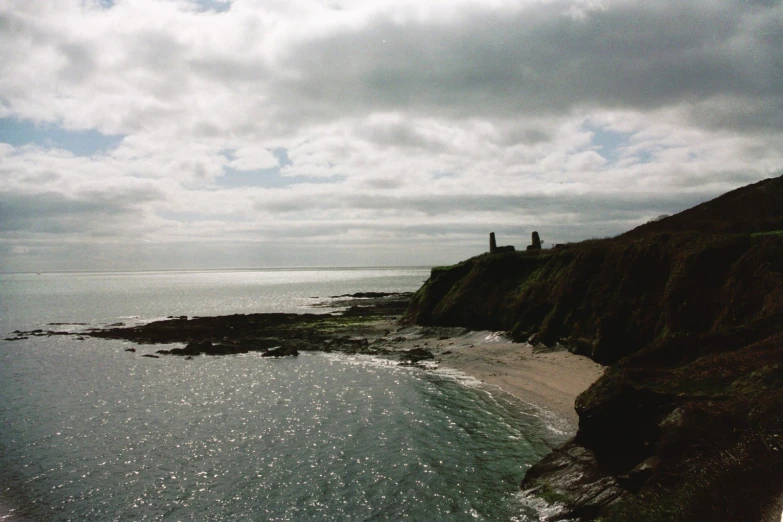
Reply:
x=688 y=310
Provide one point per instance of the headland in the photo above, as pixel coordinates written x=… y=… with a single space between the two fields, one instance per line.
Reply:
x=687 y=313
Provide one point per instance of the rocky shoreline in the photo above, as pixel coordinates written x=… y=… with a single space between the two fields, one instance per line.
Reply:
x=365 y=325
x=368 y=324
x=687 y=312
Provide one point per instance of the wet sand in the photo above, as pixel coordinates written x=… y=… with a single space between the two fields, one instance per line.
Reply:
x=550 y=379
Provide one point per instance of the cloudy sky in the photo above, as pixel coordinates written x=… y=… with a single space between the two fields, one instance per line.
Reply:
x=244 y=133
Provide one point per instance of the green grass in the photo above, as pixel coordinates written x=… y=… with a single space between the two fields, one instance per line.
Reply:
x=769 y=233
x=332 y=324
x=549 y=495
x=438 y=270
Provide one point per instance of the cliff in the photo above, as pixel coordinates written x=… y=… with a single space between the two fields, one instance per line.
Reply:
x=687 y=424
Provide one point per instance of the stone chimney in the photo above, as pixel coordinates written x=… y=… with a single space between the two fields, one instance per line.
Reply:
x=536 y=242
x=493 y=246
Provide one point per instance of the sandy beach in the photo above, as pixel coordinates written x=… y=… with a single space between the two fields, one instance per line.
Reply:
x=550 y=379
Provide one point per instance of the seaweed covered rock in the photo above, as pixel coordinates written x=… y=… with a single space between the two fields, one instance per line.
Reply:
x=415 y=356
x=281 y=351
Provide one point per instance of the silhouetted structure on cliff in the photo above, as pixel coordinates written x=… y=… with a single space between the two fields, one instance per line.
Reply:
x=495 y=249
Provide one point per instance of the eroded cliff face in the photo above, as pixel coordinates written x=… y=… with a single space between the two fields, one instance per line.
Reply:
x=609 y=298
x=688 y=422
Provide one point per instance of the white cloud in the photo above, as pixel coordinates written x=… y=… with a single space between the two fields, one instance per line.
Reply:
x=409 y=123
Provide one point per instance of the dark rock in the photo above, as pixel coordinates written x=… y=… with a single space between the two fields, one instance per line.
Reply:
x=19 y=338
x=150 y=356
x=571 y=475
x=227 y=348
x=365 y=295
x=193 y=348
x=348 y=344
x=198 y=347
x=639 y=475
x=281 y=351
x=243 y=333
x=130 y=349
x=415 y=355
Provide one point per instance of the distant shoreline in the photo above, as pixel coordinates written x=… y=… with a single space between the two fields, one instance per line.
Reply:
x=224 y=269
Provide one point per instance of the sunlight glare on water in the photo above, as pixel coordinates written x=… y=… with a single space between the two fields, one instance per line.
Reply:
x=91 y=432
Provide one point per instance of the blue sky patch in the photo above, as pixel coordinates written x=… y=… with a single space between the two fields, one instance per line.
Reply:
x=282 y=157
x=204 y=5
x=79 y=143
x=213 y=5
x=609 y=142
x=266 y=178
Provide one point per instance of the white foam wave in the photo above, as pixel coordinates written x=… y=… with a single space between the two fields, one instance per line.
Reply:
x=553 y=422
x=543 y=509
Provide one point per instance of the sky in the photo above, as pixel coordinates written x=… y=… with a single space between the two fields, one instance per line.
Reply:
x=173 y=134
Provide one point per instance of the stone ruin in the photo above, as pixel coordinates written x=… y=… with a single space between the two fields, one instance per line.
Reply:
x=495 y=249
x=536 y=242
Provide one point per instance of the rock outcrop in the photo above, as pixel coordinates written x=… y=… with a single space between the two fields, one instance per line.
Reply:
x=415 y=355
x=686 y=423
x=281 y=351
x=270 y=334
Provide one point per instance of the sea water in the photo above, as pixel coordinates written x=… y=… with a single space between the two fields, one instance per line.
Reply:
x=89 y=431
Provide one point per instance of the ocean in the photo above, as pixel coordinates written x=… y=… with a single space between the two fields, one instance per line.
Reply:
x=89 y=431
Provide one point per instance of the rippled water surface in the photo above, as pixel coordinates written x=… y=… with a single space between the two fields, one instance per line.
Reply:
x=91 y=432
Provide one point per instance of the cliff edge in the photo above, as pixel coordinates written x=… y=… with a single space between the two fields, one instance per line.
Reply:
x=687 y=424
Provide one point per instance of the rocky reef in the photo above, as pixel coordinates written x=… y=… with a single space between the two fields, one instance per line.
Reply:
x=272 y=334
x=366 y=323
x=687 y=423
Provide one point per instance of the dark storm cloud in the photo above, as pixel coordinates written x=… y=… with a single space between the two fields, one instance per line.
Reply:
x=643 y=55
x=587 y=207
x=56 y=213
